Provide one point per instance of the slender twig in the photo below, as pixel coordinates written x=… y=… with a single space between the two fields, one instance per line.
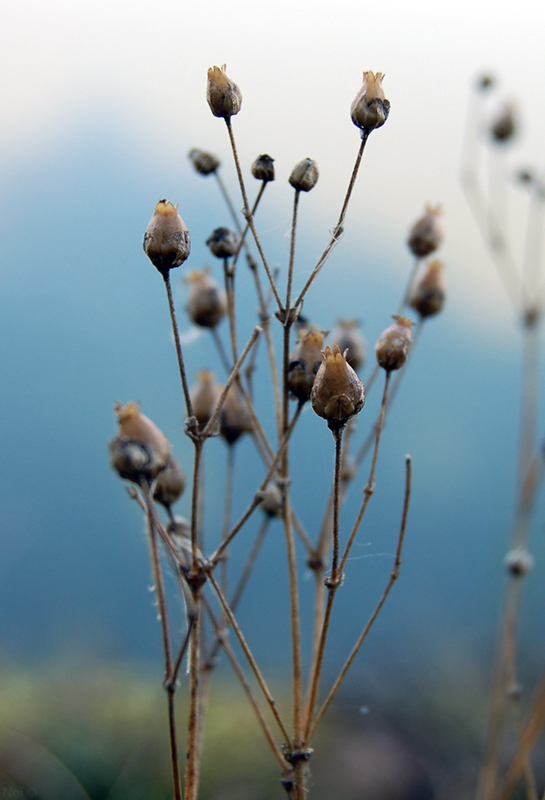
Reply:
x=338 y=229
x=292 y=247
x=181 y=365
x=393 y=577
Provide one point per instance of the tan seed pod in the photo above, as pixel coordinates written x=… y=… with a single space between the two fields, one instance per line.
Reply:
x=337 y=393
x=370 y=109
x=263 y=168
x=426 y=234
x=272 y=503
x=304 y=362
x=304 y=175
x=519 y=562
x=207 y=304
x=235 y=418
x=428 y=294
x=204 y=395
x=504 y=126
x=204 y=163
x=392 y=348
x=223 y=95
x=223 y=243
x=170 y=484
x=347 y=337
x=140 y=450
x=166 y=240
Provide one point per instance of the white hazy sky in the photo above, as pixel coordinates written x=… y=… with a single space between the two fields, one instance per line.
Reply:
x=299 y=64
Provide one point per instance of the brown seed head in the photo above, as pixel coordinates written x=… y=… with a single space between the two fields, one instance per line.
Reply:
x=272 y=503
x=392 y=348
x=504 y=126
x=207 y=304
x=304 y=362
x=170 y=484
x=304 y=175
x=140 y=450
x=428 y=294
x=223 y=95
x=166 y=240
x=204 y=163
x=235 y=418
x=204 y=396
x=263 y=168
x=370 y=109
x=426 y=234
x=223 y=243
x=347 y=337
x=337 y=393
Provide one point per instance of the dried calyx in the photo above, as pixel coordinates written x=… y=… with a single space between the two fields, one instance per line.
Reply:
x=337 y=394
x=428 y=294
x=304 y=175
x=207 y=304
x=235 y=418
x=426 y=234
x=304 y=362
x=166 y=240
x=204 y=396
x=170 y=484
x=347 y=337
x=223 y=95
x=140 y=450
x=263 y=168
x=370 y=109
x=204 y=163
x=392 y=348
x=223 y=243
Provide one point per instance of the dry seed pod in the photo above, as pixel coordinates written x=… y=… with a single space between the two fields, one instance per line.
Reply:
x=519 y=562
x=223 y=95
x=223 y=243
x=347 y=337
x=337 y=393
x=166 y=240
x=207 y=304
x=304 y=175
x=140 y=450
x=170 y=484
x=263 y=168
x=204 y=163
x=504 y=126
x=426 y=234
x=235 y=418
x=392 y=348
x=370 y=109
x=204 y=395
x=428 y=294
x=304 y=362
x=272 y=503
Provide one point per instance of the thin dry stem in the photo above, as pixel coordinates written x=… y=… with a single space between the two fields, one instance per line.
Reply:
x=181 y=365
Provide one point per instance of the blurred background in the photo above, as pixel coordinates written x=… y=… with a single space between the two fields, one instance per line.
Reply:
x=100 y=104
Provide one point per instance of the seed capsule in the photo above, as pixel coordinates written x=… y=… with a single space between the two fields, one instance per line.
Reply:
x=392 y=348
x=428 y=295
x=223 y=95
x=304 y=362
x=204 y=163
x=207 y=304
x=426 y=234
x=140 y=450
x=337 y=393
x=170 y=484
x=223 y=243
x=504 y=126
x=263 y=168
x=235 y=418
x=166 y=240
x=272 y=503
x=347 y=337
x=304 y=175
x=204 y=396
x=370 y=109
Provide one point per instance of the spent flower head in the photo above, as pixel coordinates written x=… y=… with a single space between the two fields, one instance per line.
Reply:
x=263 y=168
x=204 y=163
x=223 y=243
x=170 y=484
x=347 y=337
x=337 y=394
x=204 y=394
x=166 y=240
x=427 y=232
x=304 y=175
x=392 y=348
x=428 y=294
x=370 y=109
x=235 y=418
x=223 y=95
x=207 y=304
x=140 y=450
x=303 y=364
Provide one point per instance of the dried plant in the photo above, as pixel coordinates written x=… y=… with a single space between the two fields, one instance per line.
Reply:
x=300 y=371
x=486 y=181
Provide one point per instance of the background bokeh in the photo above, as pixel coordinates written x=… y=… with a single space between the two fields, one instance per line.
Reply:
x=100 y=104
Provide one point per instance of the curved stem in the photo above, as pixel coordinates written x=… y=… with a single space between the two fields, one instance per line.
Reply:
x=179 y=353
